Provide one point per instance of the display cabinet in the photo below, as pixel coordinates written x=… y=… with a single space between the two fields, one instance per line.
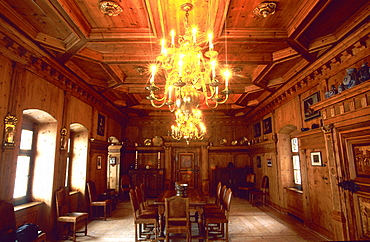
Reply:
x=231 y=177
x=151 y=178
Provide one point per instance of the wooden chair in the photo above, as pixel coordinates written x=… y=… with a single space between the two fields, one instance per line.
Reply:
x=219 y=208
x=125 y=186
x=260 y=192
x=145 y=197
x=177 y=217
x=144 y=207
x=64 y=215
x=220 y=232
x=96 y=203
x=250 y=183
x=142 y=220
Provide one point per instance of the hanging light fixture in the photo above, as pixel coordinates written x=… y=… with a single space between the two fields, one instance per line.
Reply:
x=189 y=125
x=190 y=75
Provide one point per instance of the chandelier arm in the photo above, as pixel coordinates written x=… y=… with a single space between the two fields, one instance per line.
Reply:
x=155 y=105
x=212 y=107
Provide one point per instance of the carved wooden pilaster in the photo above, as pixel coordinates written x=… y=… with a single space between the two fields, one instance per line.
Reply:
x=334 y=176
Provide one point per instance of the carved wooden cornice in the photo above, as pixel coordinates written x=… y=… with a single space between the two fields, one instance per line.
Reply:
x=324 y=67
x=55 y=73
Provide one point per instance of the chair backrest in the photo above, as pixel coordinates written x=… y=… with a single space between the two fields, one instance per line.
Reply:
x=176 y=209
x=134 y=203
x=218 y=192
x=62 y=201
x=250 y=178
x=125 y=181
x=222 y=196
x=7 y=218
x=91 y=190
x=227 y=201
x=265 y=183
x=140 y=197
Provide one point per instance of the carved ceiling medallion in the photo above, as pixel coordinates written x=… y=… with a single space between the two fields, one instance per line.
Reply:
x=110 y=8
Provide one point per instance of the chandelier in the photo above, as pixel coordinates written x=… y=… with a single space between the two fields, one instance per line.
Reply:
x=190 y=76
x=189 y=125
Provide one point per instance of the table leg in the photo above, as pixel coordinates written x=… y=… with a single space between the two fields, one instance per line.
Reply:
x=200 y=220
x=161 y=221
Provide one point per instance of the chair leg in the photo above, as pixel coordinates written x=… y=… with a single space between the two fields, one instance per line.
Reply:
x=74 y=231
x=85 y=226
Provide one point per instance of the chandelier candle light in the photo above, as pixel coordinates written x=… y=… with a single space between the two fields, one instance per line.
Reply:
x=190 y=75
x=189 y=125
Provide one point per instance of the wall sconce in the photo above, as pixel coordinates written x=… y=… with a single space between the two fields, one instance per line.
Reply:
x=10 y=122
x=63 y=139
x=265 y=9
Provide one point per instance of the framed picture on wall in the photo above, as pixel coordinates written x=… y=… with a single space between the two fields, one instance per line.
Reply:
x=257 y=129
x=316 y=158
x=267 y=125
x=309 y=113
x=101 y=124
x=269 y=162
x=112 y=160
x=258 y=158
x=98 y=162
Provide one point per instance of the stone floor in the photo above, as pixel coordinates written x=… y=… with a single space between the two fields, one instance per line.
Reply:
x=247 y=223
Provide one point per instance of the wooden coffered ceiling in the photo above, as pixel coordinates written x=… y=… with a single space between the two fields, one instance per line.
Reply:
x=112 y=53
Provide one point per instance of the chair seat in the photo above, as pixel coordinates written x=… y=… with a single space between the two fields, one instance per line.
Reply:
x=101 y=203
x=73 y=217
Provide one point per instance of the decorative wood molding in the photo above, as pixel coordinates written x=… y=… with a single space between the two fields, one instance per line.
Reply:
x=325 y=67
x=55 y=73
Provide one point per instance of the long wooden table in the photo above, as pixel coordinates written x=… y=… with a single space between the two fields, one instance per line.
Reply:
x=196 y=201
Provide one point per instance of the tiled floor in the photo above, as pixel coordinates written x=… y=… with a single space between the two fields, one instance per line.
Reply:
x=247 y=223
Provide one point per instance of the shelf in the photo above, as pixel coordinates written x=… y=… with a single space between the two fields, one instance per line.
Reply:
x=144 y=148
x=265 y=146
x=228 y=148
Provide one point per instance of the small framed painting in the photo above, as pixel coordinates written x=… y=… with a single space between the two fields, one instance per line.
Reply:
x=101 y=124
x=259 y=165
x=112 y=160
x=267 y=128
x=98 y=162
x=309 y=113
x=257 y=129
x=316 y=158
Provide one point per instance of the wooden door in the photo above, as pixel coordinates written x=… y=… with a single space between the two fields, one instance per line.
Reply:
x=356 y=182
x=187 y=166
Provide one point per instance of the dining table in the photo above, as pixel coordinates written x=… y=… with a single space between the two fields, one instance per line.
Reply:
x=196 y=202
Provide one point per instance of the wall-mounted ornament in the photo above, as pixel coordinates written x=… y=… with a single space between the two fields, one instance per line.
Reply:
x=63 y=139
x=350 y=79
x=10 y=122
x=364 y=73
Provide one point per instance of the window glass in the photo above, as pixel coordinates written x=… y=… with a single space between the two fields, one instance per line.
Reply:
x=26 y=139
x=295 y=145
x=21 y=177
x=296 y=164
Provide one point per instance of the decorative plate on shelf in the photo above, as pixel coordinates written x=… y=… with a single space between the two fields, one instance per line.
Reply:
x=223 y=141
x=243 y=140
x=147 y=142
x=157 y=141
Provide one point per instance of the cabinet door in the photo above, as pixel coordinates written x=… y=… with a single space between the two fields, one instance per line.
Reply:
x=152 y=185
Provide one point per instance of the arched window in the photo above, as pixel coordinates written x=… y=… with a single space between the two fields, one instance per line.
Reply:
x=36 y=157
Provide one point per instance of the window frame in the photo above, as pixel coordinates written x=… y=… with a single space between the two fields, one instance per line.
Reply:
x=27 y=125
x=295 y=153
